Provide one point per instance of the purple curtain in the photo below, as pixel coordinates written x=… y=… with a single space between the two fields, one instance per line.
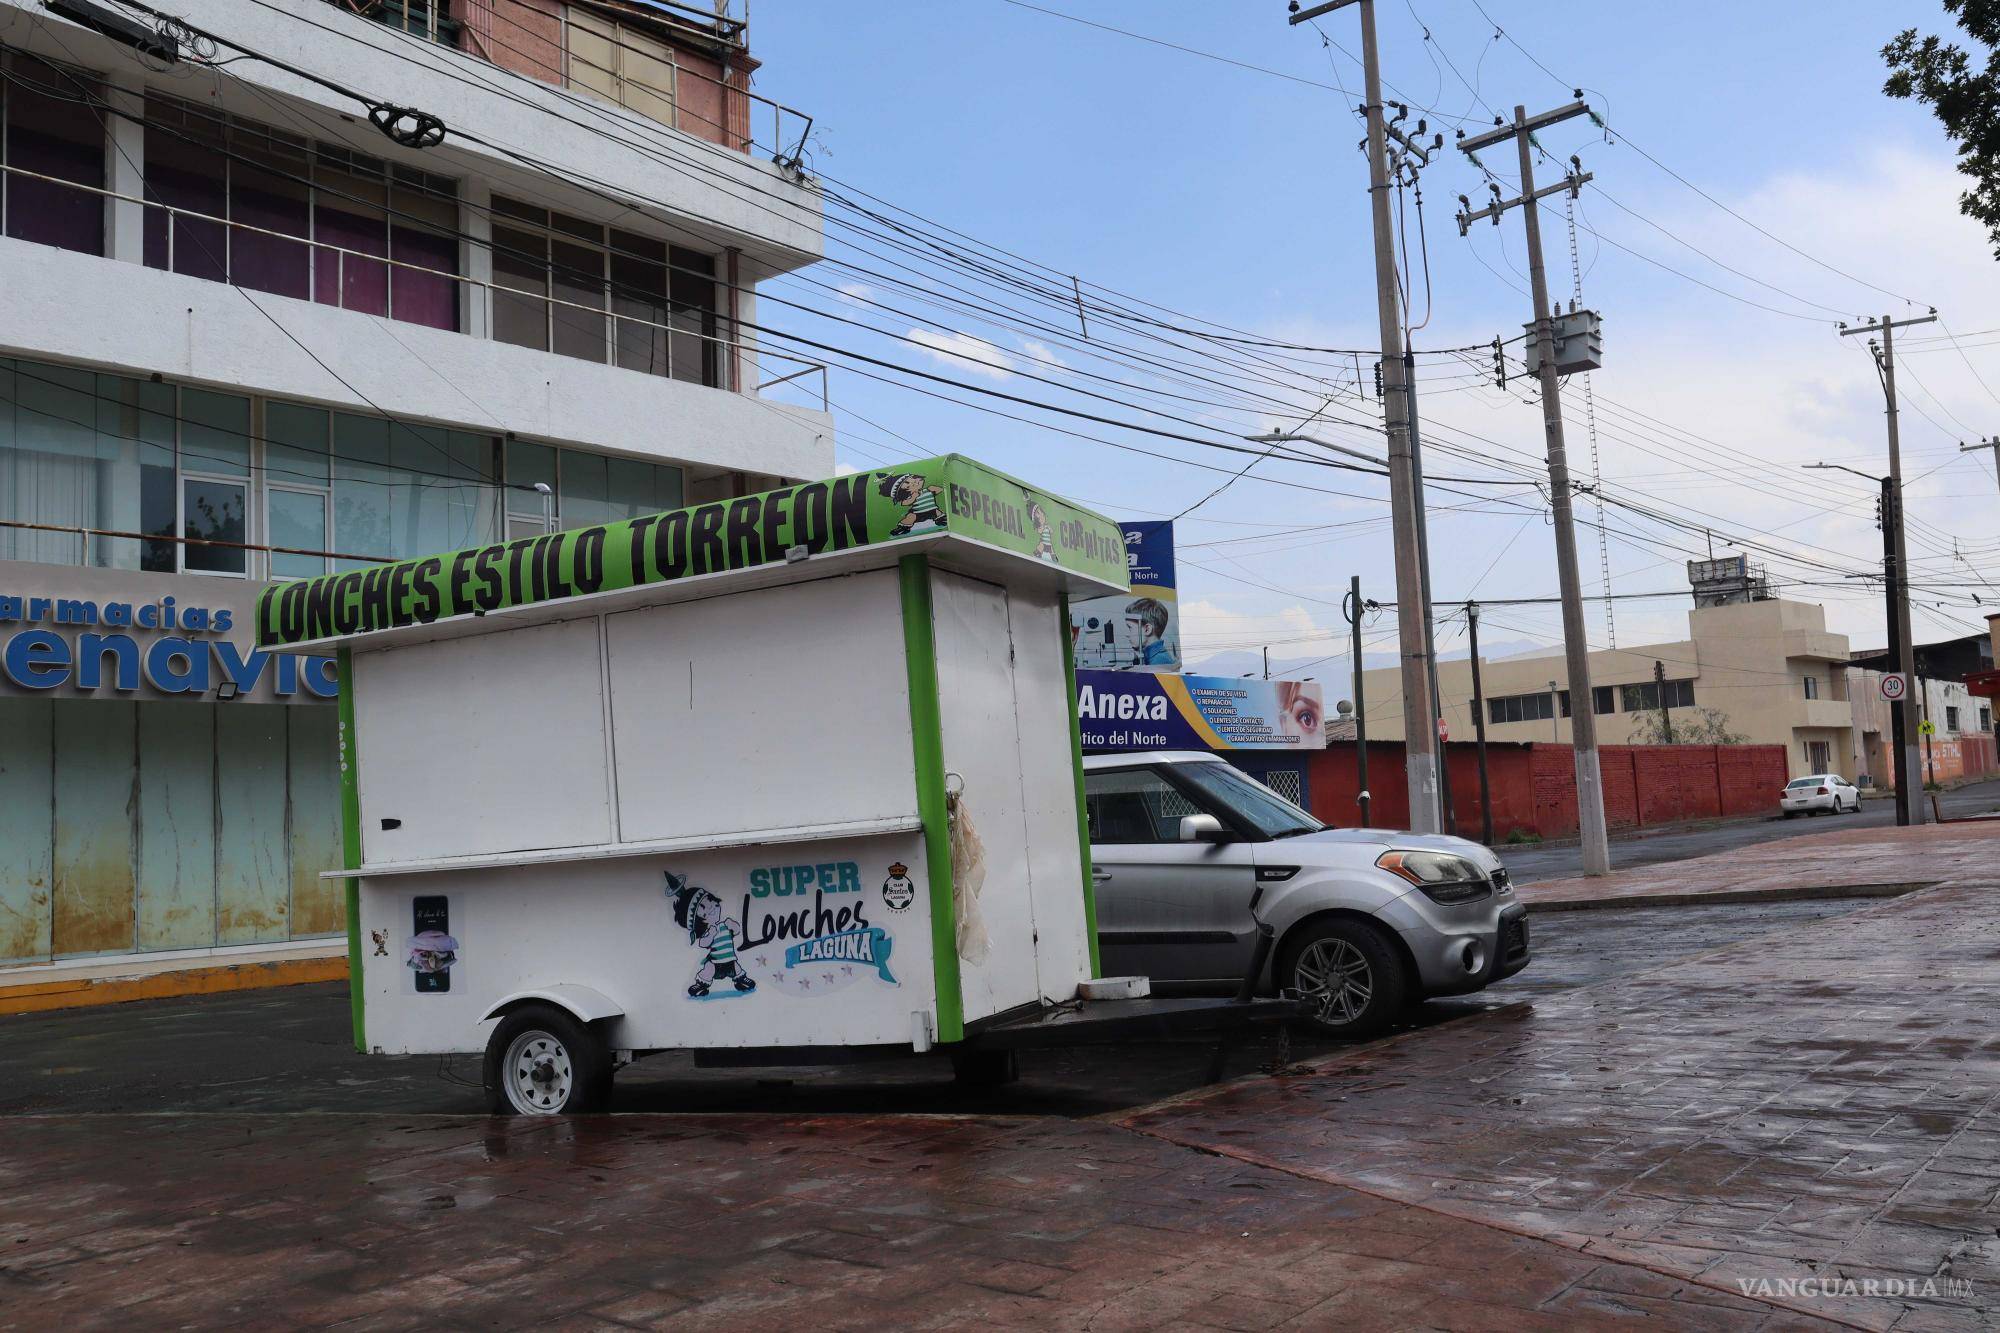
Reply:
x=56 y=138
x=344 y=280
x=424 y=298
x=186 y=175
x=263 y=262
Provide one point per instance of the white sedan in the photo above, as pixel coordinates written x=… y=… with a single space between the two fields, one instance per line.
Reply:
x=1822 y=792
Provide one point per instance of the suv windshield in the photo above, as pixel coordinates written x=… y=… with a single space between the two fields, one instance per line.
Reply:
x=1250 y=801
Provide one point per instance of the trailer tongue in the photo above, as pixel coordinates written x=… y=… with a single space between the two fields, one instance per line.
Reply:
x=793 y=773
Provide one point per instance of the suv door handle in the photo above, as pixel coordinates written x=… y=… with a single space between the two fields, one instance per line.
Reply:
x=1099 y=876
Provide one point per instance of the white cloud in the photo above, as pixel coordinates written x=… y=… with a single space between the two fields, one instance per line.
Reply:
x=962 y=352
x=844 y=469
x=1208 y=627
x=856 y=291
x=1042 y=352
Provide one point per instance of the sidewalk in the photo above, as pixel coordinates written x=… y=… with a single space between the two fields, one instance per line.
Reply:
x=1826 y=1109
x=37 y=987
x=1865 y=863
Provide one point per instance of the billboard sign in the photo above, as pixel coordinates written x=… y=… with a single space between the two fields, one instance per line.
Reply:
x=1131 y=710
x=1139 y=631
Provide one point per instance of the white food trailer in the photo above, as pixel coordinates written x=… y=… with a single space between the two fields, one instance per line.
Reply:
x=776 y=778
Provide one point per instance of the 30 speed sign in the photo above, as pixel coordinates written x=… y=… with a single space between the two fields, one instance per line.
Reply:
x=1895 y=686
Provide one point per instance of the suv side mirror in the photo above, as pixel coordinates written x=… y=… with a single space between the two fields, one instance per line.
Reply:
x=1201 y=828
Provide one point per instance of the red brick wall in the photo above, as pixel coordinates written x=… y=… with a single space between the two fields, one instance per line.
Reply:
x=527 y=37
x=1534 y=786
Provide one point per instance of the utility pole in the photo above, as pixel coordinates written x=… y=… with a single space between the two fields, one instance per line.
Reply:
x=1479 y=727
x=1659 y=697
x=1424 y=564
x=1990 y=442
x=1902 y=648
x=1576 y=647
x=1267 y=662
x=1420 y=742
x=1892 y=589
x=1354 y=609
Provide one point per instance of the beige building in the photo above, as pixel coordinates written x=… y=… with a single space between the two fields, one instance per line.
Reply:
x=1769 y=667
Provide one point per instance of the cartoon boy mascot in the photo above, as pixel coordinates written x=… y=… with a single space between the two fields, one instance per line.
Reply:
x=919 y=501
x=1045 y=537
x=699 y=912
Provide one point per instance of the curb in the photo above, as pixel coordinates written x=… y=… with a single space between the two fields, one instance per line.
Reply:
x=82 y=992
x=1800 y=893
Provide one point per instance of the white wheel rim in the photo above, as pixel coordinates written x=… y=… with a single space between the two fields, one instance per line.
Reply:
x=538 y=1074
x=1335 y=973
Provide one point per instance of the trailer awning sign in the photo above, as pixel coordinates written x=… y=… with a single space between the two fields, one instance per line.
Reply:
x=949 y=494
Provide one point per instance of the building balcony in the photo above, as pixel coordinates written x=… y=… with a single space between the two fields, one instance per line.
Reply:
x=681 y=65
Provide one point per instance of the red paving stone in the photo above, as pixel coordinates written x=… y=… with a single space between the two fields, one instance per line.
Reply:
x=1822 y=1105
x=749 y=1222
x=1842 y=860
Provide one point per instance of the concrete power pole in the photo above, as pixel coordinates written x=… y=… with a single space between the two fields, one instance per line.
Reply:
x=1905 y=652
x=1990 y=442
x=1576 y=647
x=1420 y=739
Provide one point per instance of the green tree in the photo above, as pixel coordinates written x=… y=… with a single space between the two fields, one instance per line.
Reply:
x=1708 y=726
x=1963 y=88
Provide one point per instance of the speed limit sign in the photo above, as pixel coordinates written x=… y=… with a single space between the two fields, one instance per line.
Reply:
x=1895 y=686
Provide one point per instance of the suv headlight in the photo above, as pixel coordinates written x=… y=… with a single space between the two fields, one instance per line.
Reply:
x=1443 y=876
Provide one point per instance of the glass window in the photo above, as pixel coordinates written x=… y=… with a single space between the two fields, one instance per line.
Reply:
x=693 y=348
x=362 y=485
x=520 y=277
x=215 y=433
x=1248 y=800
x=1133 y=806
x=1950 y=718
x=1812 y=687
x=52 y=132
x=635 y=302
x=295 y=445
x=527 y=465
x=585 y=494
x=79 y=450
x=213 y=511
x=255 y=189
x=298 y=520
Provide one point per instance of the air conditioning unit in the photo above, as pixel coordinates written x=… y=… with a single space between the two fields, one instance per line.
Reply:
x=1579 y=343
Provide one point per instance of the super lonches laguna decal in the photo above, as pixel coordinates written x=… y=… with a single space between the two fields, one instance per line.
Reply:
x=800 y=930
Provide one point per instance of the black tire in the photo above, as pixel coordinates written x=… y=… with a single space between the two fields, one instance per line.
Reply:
x=561 y=1066
x=1340 y=943
x=985 y=1069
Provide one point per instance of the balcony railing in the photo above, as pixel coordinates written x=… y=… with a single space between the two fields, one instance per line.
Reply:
x=728 y=351
x=430 y=21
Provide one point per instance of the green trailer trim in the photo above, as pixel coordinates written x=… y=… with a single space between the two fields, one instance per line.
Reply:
x=1082 y=811
x=949 y=495
x=913 y=573
x=350 y=846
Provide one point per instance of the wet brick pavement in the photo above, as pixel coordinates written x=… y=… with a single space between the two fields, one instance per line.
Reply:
x=1819 y=1105
x=751 y=1222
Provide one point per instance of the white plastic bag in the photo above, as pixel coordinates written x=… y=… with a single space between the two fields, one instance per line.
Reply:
x=968 y=877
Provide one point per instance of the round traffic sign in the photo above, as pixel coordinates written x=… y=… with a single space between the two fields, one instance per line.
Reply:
x=1895 y=686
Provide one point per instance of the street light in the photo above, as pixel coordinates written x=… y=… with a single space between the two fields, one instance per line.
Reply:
x=1294 y=437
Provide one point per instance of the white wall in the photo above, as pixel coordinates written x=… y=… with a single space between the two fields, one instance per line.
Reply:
x=492 y=743
x=764 y=710
x=136 y=320
x=724 y=196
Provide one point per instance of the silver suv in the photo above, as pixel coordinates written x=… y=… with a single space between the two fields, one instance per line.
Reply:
x=1367 y=920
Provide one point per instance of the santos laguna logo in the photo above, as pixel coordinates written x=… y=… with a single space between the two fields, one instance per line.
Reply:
x=85 y=645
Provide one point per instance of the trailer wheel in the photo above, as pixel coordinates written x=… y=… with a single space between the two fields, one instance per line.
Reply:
x=984 y=1069
x=542 y=1061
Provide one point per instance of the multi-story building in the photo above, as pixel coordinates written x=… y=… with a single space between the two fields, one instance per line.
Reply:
x=245 y=336
x=1765 y=668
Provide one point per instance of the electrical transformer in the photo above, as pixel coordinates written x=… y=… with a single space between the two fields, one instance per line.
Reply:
x=1579 y=338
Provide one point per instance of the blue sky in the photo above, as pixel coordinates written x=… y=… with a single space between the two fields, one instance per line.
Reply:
x=1240 y=197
